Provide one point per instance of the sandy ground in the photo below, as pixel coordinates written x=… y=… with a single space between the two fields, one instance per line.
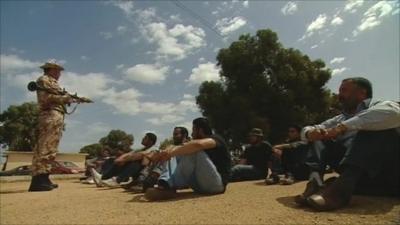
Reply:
x=243 y=203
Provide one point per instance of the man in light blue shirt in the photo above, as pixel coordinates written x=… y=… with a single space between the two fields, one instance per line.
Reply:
x=361 y=144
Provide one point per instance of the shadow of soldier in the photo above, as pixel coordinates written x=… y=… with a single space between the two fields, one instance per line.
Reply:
x=359 y=205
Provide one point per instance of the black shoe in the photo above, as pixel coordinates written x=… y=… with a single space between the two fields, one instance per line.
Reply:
x=53 y=185
x=39 y=183
x=150 y=181
x=272 y=179
x=312 y=188
x=331 y=197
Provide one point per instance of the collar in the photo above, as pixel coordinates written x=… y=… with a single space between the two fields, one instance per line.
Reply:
x=51 y=78
x=362 y=106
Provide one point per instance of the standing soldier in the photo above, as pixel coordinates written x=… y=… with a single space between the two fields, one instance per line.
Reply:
x=52 y=102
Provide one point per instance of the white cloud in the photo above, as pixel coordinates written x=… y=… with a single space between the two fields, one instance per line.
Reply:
x=147 y=73
x=92 y=85
x=175 y=18
x=84 y=58
x=106 y=35
x=317 y=24
x=177 y=42
x=338 y=71
x=125 y=102
x=314 y=26
x=337 y=60
x=165 y=119
x=177 y=71
x=348 y=40
x=13 y=63
x=289 y=8
x=21 y=80
x=353 y=5
x=337 y=21
x=227 y=26
x=119 y=66
x=125 y=6
x=203 y=72
x=246 y=4
x=173 y=113
x=314 y=46
x=146 y=15
x=122 y=29
x=18 y=51
x=128 y=102
x=374 y=16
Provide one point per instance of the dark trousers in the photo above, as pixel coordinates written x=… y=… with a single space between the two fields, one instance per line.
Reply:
x=129 y=169
x=247 y=172
x=376 y=153
x=293 y=162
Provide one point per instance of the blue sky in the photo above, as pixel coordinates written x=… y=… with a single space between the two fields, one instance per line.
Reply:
x=143 y=61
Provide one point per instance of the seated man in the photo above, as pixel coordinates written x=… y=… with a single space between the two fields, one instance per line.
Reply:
x=202 y=164
x=362 y=144
x=292 y=155
x=253 y=164
x=127 y=165
x=97 y=163
x=149 y=175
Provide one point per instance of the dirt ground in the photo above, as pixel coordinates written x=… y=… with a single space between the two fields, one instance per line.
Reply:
x=243 y=203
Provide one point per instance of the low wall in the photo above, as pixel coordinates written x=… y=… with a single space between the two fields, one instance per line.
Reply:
x=15 y=159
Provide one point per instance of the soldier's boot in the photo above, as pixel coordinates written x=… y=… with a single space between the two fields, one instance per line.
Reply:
x=39 y=183
x=53 y=185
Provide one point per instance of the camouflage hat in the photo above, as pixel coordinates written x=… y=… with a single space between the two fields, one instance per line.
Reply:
x=256 y=132
x=51 y=64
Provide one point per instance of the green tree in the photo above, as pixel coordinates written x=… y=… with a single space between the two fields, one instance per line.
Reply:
x=18 y=127
x=93 y=149
x=264 y=85
x=166 y=142
x=117 y=140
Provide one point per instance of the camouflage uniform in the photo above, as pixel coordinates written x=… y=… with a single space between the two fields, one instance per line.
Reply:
x=50 y=124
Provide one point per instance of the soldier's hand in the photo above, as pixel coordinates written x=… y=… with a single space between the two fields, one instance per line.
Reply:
x=70 y=100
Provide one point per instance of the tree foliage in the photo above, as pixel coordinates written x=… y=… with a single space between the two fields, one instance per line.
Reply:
x=18 y=127
x=264 y=85
x=93 y=149
x=166 y=142
x=117 y=140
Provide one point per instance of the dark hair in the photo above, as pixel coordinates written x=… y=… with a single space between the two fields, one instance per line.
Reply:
x=152 y=137
x=183 y=130
x=203 y=124
x=362 y=83
x=296 y=127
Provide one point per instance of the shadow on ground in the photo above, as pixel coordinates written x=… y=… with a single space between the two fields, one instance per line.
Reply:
x=12 y=191
x=359 y=205
x=180 y=196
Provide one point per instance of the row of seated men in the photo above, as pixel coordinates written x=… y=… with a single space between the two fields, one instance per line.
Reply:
x=361 y=144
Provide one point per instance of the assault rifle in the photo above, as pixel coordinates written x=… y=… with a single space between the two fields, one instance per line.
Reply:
x=33 y=86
